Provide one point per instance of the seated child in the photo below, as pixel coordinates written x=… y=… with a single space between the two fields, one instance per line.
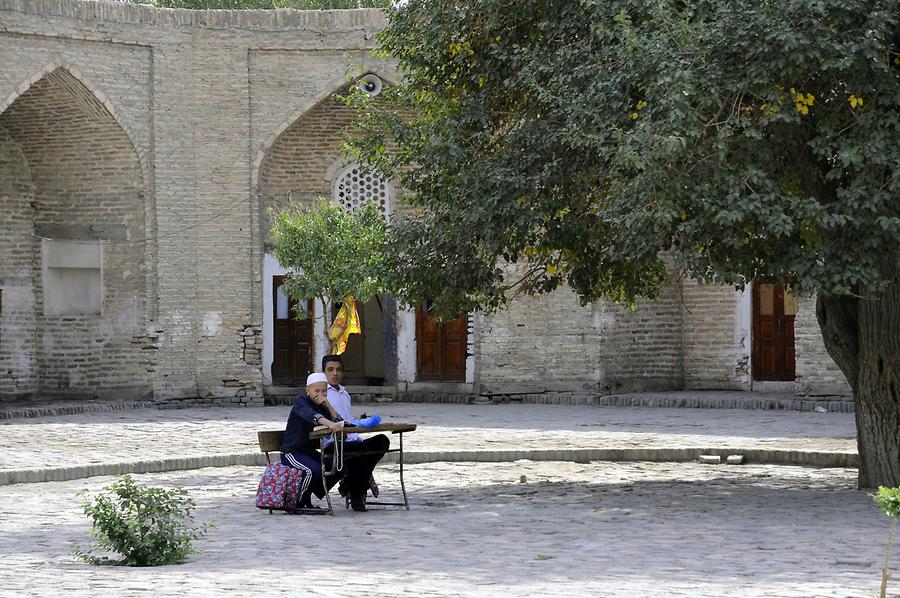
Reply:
x=298 y=449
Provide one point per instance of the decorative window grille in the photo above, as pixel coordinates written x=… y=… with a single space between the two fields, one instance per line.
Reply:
x=354 y=186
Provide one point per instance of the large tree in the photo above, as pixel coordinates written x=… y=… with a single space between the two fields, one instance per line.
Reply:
x=265 y=4
x=592 y=143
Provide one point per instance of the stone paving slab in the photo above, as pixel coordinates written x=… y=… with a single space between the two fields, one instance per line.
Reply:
x=571 y=530
x=223 y=436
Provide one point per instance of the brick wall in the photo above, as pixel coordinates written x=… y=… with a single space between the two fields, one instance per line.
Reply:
x=296 y=165
x=642 y=349
x=713 y=354
x=301 y=163
x=552 y=344
x=222 y=170
x=87 y=185
x=18 y=347
x=816 y=371
x=178 y=212
x=199 y=95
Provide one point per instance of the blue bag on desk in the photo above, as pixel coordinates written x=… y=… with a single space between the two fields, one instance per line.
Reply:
x=366 y=422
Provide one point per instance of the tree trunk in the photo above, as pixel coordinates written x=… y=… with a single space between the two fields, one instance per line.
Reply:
x=326 y=315
x=863 y=338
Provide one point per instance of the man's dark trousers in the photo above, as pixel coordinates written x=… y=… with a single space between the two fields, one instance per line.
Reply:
x=358 y=467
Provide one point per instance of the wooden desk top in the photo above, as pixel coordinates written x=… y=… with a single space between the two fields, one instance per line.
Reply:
x=397 y=428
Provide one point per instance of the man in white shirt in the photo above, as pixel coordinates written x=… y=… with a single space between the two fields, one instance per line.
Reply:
x=359 y=479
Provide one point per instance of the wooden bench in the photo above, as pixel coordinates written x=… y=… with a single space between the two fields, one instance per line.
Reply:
x=270 y=442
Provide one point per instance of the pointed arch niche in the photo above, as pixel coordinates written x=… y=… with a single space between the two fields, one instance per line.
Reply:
x=74 y=281
x=298 y=168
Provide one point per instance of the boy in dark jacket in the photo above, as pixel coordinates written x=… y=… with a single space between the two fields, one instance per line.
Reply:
x=298 y=449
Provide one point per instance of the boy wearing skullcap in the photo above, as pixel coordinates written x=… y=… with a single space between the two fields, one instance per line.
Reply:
x=298 y=449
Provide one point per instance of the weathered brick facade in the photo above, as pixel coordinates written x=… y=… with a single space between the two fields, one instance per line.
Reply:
x=18 y=338
x=713 y=348
x=166 y=135
x=86 y=184
x=553 y=344
x=816 y=371
x=298 y=165
x=121 y=123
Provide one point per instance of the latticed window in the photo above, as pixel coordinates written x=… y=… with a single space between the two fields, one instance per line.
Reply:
x=354 y=186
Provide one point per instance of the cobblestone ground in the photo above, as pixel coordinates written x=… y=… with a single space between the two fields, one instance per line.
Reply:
x=150 y=434
x=598 y=529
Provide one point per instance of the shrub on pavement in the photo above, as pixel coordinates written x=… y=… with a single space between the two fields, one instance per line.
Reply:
x=147 y=526
x=889 y=501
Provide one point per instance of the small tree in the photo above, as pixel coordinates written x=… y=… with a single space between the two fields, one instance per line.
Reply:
x=147 y=526
x=889 y=501
x=332 y=253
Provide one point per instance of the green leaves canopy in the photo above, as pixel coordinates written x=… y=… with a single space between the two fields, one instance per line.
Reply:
x=332 y=253
x=266 y=4
x=582 y=139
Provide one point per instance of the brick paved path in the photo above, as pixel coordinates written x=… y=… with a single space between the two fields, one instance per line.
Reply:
x=572 y=529
x=150 y=434
x=598 y=529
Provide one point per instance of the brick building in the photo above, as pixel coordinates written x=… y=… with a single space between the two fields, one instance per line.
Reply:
x=140 y=152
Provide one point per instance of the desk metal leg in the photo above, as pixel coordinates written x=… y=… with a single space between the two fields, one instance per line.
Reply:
x=402 y=483
x=324 y=481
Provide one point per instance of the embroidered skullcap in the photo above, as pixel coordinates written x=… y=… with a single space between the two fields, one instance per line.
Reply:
x=316 y=377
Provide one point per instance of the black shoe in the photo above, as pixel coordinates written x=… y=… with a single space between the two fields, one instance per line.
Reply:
x=343 y=490
x=358 y=503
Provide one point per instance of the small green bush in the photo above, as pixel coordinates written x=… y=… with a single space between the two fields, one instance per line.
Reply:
x=889 y=501
x=147 y=526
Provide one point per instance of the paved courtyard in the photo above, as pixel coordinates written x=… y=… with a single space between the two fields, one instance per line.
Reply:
x=153 y=434
x=598 y=529
x=565 y=529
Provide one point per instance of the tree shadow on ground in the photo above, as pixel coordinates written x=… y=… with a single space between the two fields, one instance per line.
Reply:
x=626 y=521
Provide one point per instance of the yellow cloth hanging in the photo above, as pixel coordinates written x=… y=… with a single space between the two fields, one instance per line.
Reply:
x=346 y=322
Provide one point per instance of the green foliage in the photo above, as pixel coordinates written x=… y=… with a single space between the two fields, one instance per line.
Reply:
x=888 y=499
x=266 y=4
x=581 y=140
x=147 y=526
x=332 y=253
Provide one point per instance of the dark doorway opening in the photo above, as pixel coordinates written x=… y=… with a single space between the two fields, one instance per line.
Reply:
x=364 y=355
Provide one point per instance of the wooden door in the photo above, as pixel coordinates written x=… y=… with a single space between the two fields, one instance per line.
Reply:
x=292 y=339
x=440 y=348
x=773 y=332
